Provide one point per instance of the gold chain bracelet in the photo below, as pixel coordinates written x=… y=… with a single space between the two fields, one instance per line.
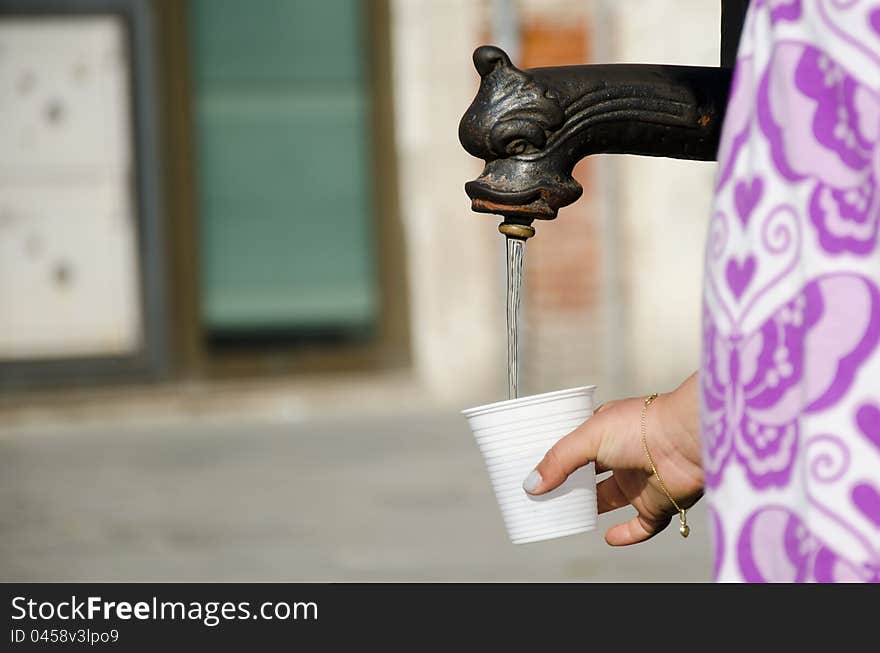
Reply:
x=684 y=529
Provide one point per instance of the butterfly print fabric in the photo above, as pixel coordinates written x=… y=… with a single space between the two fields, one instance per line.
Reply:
x=790 y=369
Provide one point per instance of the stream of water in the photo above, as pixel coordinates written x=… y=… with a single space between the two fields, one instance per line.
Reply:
x=515 y=253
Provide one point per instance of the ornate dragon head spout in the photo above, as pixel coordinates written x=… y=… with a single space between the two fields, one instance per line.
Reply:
x=512 y=114
x=508 y=125
x=532 y=126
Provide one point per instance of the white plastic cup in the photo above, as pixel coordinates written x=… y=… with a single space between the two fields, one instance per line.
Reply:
x=513 y=437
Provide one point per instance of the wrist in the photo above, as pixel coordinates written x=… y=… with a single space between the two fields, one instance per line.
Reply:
x=674 y=441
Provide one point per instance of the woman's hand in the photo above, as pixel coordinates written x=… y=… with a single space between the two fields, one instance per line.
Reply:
x=612 y=438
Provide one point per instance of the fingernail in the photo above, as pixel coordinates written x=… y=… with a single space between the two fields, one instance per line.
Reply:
x=532 y=481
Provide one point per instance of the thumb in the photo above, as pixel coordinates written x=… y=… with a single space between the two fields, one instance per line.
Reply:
x=571 y=452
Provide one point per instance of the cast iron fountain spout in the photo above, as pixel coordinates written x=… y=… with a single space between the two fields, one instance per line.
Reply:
x=532 y=126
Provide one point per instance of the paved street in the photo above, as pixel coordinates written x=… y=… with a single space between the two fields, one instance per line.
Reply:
x=378 y=499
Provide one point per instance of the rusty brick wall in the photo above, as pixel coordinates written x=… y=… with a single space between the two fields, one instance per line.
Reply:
x=562 y=260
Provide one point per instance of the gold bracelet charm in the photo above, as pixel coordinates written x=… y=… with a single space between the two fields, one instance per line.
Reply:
x=684 y=529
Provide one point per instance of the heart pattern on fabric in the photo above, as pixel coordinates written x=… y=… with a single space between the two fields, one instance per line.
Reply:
x=867 y=499
x=746 y=197
x=739 y=275
x=874 y=21
x=868 y=420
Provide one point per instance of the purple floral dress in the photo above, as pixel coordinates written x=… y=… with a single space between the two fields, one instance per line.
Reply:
x=790 y=371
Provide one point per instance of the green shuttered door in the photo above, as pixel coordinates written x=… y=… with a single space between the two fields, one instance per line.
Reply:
x=283 y=165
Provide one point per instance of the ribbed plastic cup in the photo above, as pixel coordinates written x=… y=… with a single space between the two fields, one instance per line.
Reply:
x=513 y=437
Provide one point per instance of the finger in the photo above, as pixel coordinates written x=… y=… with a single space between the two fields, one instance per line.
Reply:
x=638 y=529
x=600 y=468
x=574 y=450
x=609 y=495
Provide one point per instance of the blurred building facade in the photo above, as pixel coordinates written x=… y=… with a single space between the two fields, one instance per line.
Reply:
x=211 y=189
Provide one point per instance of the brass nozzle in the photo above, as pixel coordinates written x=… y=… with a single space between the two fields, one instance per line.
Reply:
x=516 y=230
